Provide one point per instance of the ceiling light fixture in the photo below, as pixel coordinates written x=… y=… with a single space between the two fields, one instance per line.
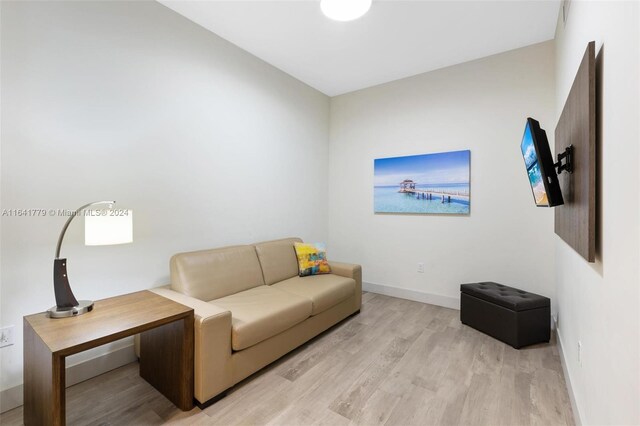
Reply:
x=344 y=10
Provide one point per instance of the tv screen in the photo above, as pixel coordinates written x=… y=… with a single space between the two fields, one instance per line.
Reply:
x=540 y=167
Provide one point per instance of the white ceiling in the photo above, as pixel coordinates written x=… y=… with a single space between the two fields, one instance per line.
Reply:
x=395 y=39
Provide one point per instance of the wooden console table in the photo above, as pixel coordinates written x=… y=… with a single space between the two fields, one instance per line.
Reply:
x=166 y=350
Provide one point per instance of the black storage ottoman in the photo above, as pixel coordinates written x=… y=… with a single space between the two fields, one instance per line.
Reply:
x=516 y=317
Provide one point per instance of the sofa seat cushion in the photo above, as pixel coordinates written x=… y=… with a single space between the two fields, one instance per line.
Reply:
x=262 y=312
x=325 y=291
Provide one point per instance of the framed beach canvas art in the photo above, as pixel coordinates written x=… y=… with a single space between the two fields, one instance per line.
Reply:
x=423 y=184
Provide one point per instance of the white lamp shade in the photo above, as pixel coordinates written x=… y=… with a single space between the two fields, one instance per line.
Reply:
x=344 y=10
x=106 y=227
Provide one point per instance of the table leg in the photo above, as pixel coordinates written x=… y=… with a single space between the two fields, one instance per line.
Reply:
x=166 y=360
x=44 y=382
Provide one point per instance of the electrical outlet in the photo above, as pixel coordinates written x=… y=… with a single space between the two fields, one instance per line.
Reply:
x=6 y=336
x=421 y=267
x=580 y=353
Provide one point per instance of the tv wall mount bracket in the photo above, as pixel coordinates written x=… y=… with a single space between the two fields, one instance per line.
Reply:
x=565 y=161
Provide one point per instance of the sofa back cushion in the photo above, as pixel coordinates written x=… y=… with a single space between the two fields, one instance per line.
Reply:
x=211 y=274
x=278 y=259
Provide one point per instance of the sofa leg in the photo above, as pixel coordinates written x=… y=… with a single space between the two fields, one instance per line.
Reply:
x=211 y=401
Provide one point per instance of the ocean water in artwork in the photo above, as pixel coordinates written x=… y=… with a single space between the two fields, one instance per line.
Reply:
x=423 y=184
x=533 y=168
x=387 y=199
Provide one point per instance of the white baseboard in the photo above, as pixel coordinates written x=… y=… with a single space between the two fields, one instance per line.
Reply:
x=13 y=397
x=417 y=296
x=420 y=296
x=574 y=407
x=10 y=398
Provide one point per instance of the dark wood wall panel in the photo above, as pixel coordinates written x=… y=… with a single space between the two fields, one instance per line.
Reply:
x=575 y=221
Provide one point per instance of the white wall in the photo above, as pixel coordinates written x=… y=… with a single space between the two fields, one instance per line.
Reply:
x=481 y=106
x=132 y=102
x=599 y=304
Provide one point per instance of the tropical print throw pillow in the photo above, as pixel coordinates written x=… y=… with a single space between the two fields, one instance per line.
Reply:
x=312 y=259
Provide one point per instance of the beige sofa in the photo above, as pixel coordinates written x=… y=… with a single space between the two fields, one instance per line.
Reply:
x=251 y=307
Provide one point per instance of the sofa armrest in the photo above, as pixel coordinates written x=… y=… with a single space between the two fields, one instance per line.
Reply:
x=212 y=352
x=349 y=270
x=201 y=310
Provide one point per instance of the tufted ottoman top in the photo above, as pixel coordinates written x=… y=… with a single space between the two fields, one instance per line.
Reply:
x=509 y=297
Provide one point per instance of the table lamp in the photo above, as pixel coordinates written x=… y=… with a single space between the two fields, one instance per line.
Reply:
x=101 y=227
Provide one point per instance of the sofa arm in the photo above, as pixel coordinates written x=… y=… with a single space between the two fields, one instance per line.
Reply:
x=201 y=309
x=350 y=270
x=212 y=352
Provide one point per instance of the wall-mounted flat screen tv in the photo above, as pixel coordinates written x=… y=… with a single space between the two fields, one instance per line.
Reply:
x=540 y=167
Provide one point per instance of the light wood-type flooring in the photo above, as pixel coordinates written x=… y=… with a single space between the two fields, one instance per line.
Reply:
x=396 y=363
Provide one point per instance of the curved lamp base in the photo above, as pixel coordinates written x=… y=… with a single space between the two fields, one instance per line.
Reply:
x=83 y=307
